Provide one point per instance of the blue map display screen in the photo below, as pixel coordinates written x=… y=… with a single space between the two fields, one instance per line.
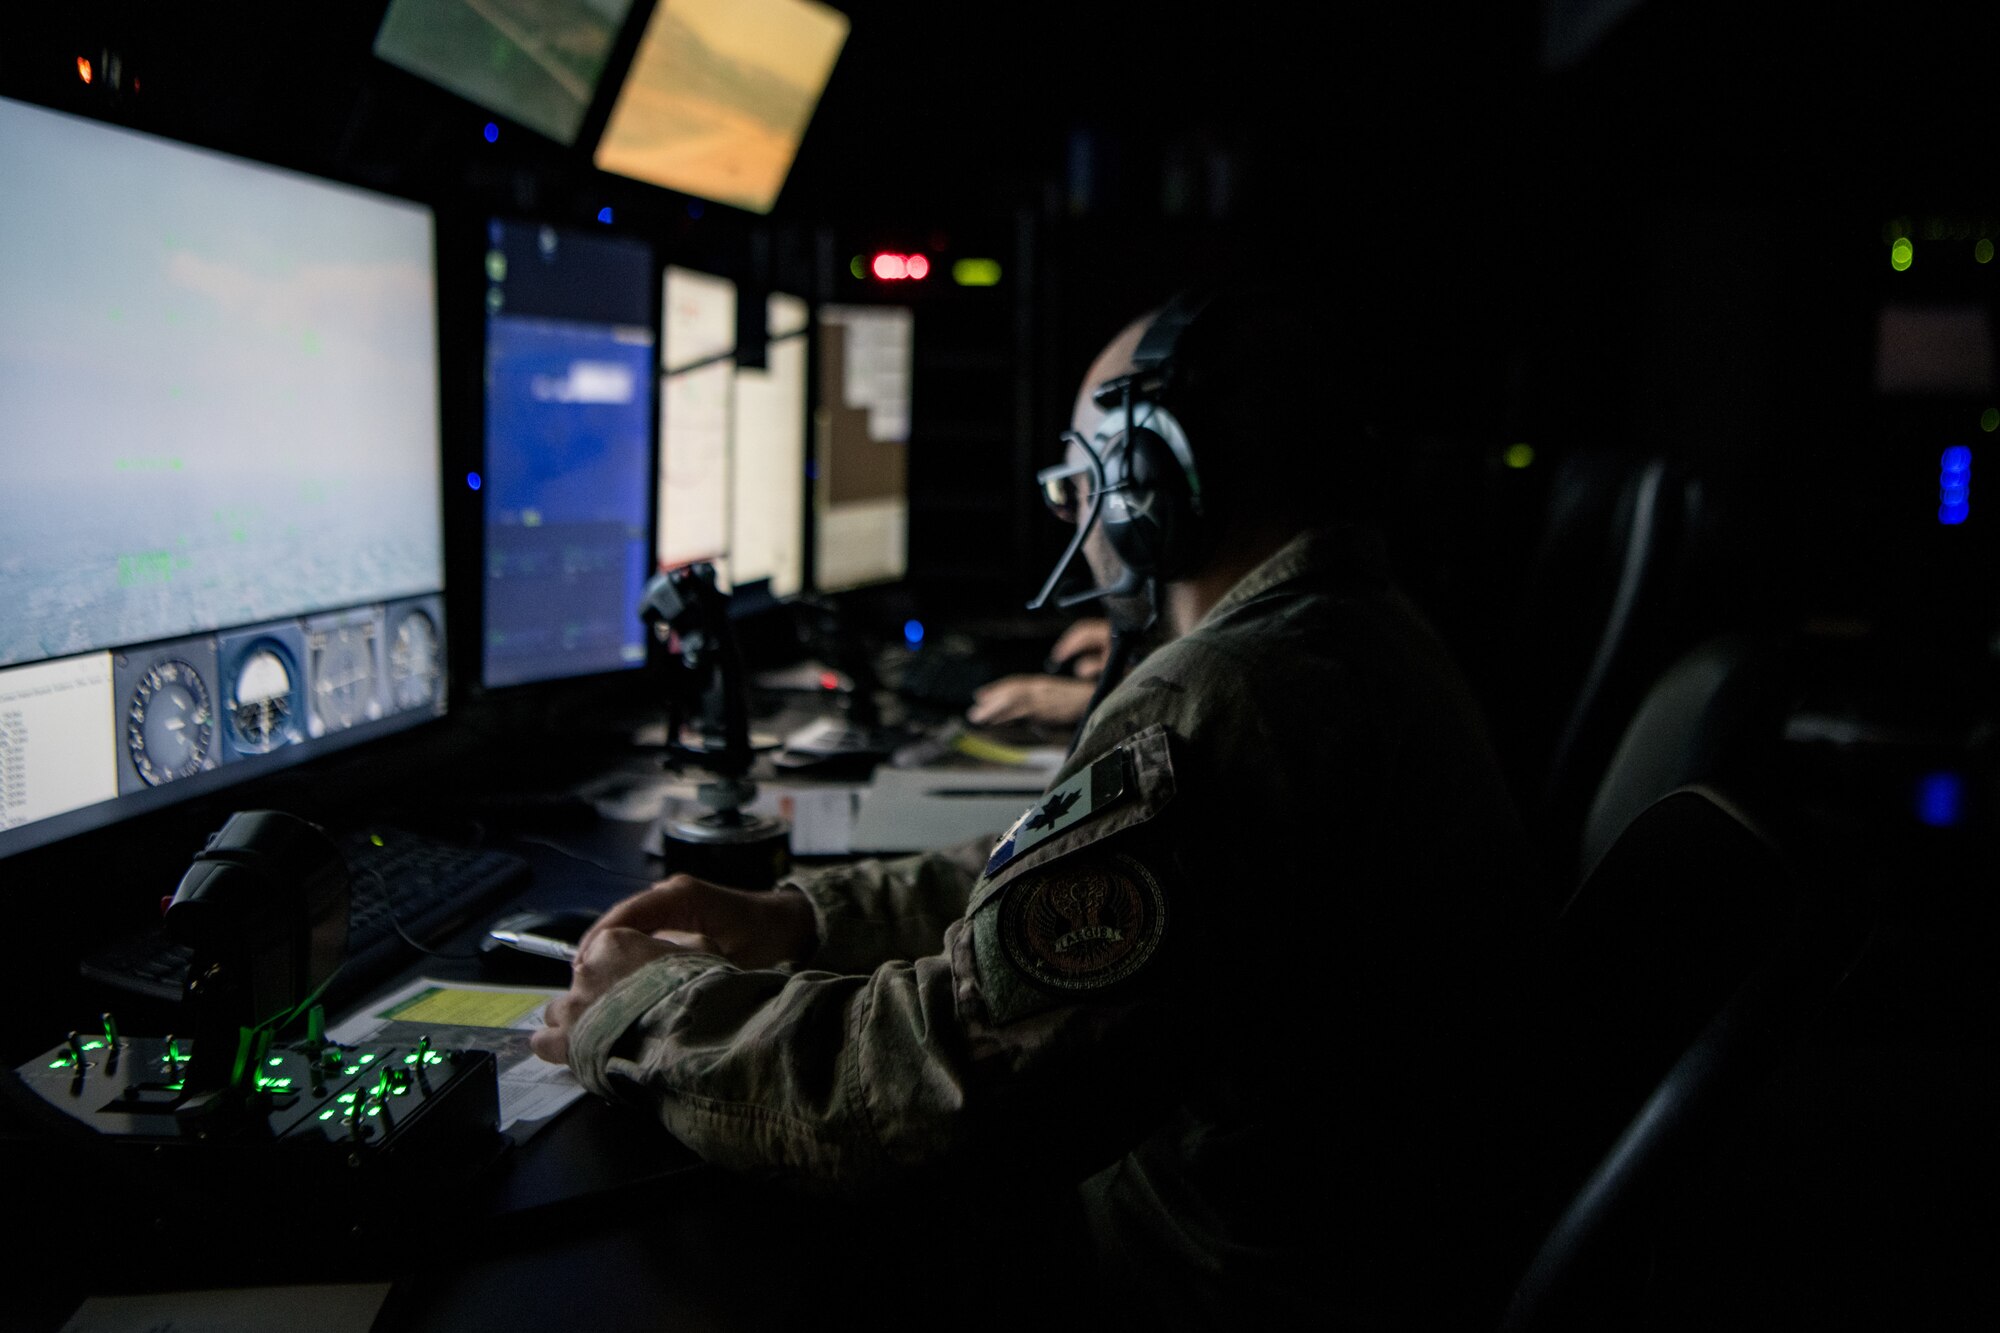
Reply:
x=568 y=496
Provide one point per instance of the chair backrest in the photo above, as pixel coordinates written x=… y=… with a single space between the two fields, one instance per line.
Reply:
x=1703 y=714
x=1678 y=975
x=1597 y=612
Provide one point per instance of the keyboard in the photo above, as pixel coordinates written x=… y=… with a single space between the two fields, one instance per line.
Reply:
x=429 y=888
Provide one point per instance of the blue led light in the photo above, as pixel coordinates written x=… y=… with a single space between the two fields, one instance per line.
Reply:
x=472 y=480
x=492 y=132
x=1941 y=799
x=913 y=632
x=1954 y=485
x=604 y=213
x=694 y=209
x=812 y=471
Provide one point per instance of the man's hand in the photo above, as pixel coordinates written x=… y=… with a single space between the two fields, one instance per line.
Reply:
x=749 y=928
x=1054 y=700
x=680 y=914
x=1083 y=648
x=605 y=959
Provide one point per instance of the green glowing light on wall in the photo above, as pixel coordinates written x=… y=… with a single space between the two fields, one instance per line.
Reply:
x=1518 y=455
x=1982 y=252
x=1900 y=254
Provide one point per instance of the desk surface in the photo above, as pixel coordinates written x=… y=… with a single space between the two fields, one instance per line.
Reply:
x=601 y=1219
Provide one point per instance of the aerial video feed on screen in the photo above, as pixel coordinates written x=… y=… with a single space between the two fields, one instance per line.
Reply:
x=537 y=62
x=221 y=392
x=221 y=537
x=719 y=96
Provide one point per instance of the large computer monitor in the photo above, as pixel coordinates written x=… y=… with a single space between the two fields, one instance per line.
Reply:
x=537 y=62
x=719 y=95
x=768 y=477
x=861 y=505
x=698 y=374
x=732 y=437
x=567 y=481
x=221 y=545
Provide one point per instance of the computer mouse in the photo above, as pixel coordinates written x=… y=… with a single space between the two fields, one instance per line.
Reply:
x=503 y=962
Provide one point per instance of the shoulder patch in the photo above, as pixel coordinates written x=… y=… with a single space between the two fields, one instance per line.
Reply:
x=1089 y=793
x=1083 y=923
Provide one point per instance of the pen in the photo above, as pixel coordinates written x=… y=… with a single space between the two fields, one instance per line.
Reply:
x=539 y=945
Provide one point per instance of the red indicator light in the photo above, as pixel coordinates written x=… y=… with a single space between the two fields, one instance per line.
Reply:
x=917 y=266
x=83 y=69
x=890 y=267
x=829 y=680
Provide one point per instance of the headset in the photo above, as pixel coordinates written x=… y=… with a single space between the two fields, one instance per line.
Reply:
x=1146 y=488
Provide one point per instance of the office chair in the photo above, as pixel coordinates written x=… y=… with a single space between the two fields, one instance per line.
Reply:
x=1678 y=978
x=1701 y=720
x=1601 y=607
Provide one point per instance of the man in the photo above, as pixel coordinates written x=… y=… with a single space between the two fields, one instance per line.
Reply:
x=1233 y=972
x=1057 y=697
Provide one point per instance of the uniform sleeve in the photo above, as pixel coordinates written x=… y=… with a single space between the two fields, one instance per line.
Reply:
x=1026 y=1043
x=870 y=912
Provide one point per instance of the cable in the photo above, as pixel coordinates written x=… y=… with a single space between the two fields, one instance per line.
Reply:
x=592 y=862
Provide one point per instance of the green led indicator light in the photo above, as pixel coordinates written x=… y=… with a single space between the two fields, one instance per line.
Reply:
x=93 y=1046
x=1900 y=254
x=858 y=266
x=1982 y=252
x=275 y=1061
x=176 y=1085
x=374 y=1110
x=976 y=272
x=326 y=1114
x=365 y=1059
x=376 y=838
x=60 y=1064
x=1989 y=420
x=1518 y=456
x=347 y=1097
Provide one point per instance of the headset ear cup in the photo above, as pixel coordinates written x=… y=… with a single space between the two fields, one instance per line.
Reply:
x=1160 y=519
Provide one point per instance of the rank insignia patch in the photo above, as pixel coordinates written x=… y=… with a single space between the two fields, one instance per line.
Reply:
x=1084 y=923
x=1091 y=792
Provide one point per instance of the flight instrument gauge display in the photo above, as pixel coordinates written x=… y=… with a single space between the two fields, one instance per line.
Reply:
x=263 y=689
x=416 y=659
x=169 y=723
x=344 y=670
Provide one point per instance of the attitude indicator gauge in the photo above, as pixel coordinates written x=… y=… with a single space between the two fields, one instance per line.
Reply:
x=263 y=699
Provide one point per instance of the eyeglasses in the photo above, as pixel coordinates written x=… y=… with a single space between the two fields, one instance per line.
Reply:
x=1067 y=488
x=1073 y=489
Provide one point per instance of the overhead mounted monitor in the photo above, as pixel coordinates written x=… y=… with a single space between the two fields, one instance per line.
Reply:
x=536 y=62
x=719 y=96
x=221 y=546
x=567 y=481
x=860 y=495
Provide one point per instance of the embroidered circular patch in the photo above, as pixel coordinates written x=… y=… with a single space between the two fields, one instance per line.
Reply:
x=1084 y=923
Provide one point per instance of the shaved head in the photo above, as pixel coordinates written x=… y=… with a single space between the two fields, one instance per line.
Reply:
x=1113 y=361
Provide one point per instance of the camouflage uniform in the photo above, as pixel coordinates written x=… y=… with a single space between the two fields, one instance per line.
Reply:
x=1233 y=963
